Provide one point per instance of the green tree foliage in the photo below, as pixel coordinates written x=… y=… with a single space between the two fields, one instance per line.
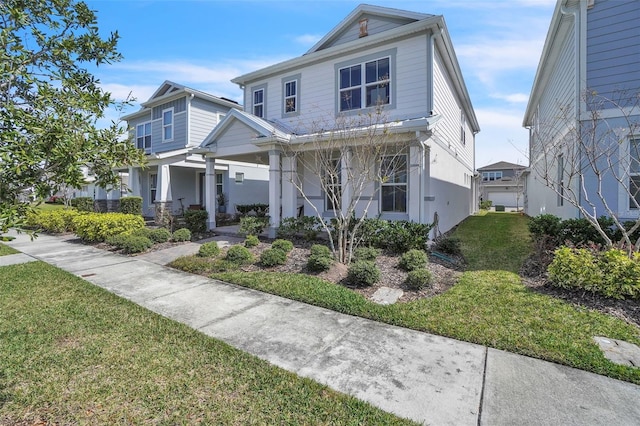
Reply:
x=50 y=103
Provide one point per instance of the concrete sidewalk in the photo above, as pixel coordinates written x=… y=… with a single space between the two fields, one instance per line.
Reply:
x=427 y=378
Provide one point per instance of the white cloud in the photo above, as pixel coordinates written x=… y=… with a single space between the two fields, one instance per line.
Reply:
x=515 y=98
x=307 y=39
x=502 y=137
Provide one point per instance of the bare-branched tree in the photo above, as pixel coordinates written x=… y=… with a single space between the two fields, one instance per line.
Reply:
x=584 y=161
x=352 y=160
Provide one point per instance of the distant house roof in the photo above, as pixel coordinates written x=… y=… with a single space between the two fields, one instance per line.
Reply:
x=502 y=165
x=170 y=90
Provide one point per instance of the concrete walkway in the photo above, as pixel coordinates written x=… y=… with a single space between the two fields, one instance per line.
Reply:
x=427 y=378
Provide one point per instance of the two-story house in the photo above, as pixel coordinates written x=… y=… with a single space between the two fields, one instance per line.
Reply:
x=583 y=113
x=502 y=183
x=174 y=120
x=377 y=59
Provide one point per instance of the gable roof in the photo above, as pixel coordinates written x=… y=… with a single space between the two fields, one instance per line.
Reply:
x=262 y=127
x=353 y=19
x=169 y=90
x=502 y=165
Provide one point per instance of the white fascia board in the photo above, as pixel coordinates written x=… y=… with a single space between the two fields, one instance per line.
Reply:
x=369 y=9
x=136 y=114
x=168 y=154
x=547 y=58
x=340 y=50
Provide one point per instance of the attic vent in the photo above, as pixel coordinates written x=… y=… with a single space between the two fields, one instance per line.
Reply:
x=363 y=27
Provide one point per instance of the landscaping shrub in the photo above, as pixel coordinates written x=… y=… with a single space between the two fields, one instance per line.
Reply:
x=180 y=235
x=251 y=241
x=54 y=221
x=320 y=250
x=320 y=258
x=159 y=235
x=545 y=226
x=580 y=232
x=448 y=245
x=239 y=254
x=574 y=268
x=366 y=253
x=272 y=257
x=364 y=273
x=261 y=210
x=251 y=225
x=131 y=205
x=413 y=259
x=486 y=204
x=397 y=236
x=192 y=264
x=418 y=279
x=130 y=243
x=209 y=249
x=83 y=204
x=196 y=221
x=284 y=245
x=100 y=226
x=621 y=274
x=244 y=209
x=306 y=226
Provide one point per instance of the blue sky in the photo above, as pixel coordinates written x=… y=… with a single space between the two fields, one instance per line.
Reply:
x=204 y=44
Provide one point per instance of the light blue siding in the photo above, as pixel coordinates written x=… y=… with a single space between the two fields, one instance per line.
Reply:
x=613 y=48
x=204 y=117
x=178 y=105
x=179 y=134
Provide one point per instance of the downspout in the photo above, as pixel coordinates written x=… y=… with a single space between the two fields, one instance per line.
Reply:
x=578 y=112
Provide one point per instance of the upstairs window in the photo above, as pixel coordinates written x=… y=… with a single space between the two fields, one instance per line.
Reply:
x=258 y=103
x=365 y=84
x=143 y=136
x=167 y=125
x=491 y=176
x=290 y=96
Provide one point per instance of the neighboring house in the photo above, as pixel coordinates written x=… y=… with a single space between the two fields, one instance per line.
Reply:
x=174 y=120
x=591 y=53
x=502 y=183
x=401 y=61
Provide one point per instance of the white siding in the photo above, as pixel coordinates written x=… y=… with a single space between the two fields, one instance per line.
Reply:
x=318 y=87
x=375 y=25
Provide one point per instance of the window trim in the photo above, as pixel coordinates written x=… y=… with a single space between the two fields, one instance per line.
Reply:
x=362 y=61
x=144 y=136
x=219 y=184
x=152 y=196
x=395 y=184
x=253 y=90
x=292 y=78
x=630 y=141
x=496 y=174
x=170 y=126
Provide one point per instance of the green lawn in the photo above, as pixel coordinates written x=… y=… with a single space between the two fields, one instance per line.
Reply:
x=489 y=305
x=72 y=353
x=5 y=250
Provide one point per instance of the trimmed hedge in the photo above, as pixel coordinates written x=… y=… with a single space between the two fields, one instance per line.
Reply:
x=418 y=279
x=413 y=259
x=251 y=241
x=209 y=249
x=83 y=204
x=239 y=254
x=100 y=226
x=364 y=273
x=54 y=221
x=284 y=245
x=196 y=221
x=181 y=235
x=273 y=257
x=131 y=205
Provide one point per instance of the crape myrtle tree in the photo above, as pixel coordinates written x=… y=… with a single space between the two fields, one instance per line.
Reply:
x=50 y=103
x=350 y=161
x=582 y=160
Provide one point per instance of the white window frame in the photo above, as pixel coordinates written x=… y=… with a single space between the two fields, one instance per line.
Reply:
x=491 y=176
x=219 y=183
x=364 y=86
x=289 y=97
x=463 y=125
x=336 y=164
x=142 y=136
x=153 y=187
x=255 y=104
x=391 y=181
x=166 y=126
x=633 y=173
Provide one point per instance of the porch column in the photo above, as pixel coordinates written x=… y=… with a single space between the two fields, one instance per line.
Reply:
x=346 y=179
x=100 y=199
x=274 y=192
x=134 y=181
x=210 y=192
x=416 y=183
x=164 y=202
x=289 y=191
